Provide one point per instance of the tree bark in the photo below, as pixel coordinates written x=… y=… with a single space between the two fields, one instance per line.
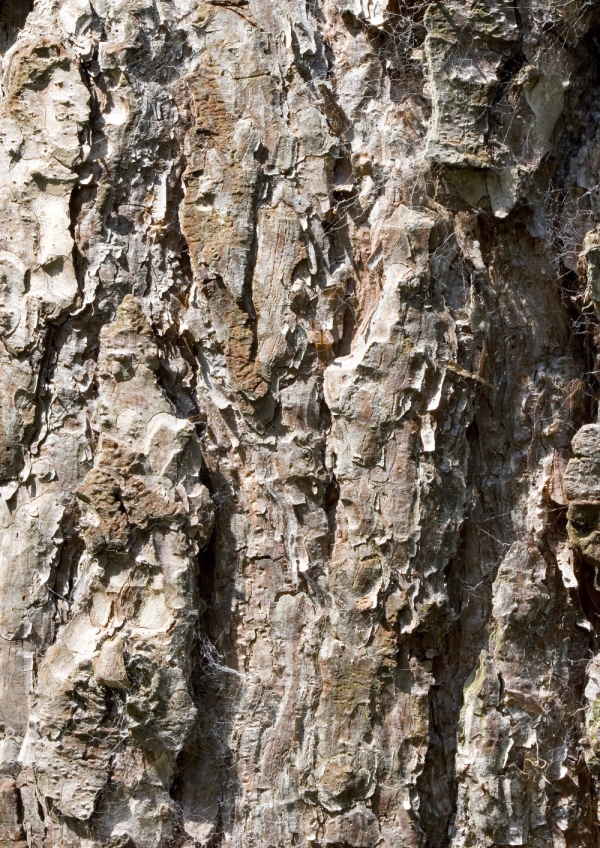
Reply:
x=299 y=468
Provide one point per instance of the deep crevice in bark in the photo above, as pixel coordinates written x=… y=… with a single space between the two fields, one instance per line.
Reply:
x=437 y=783
x=13 y=15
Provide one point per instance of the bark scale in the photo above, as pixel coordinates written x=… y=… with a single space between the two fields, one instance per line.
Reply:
x=299 y=468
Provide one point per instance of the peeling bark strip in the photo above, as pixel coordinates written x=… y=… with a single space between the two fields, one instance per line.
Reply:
x=299 y=461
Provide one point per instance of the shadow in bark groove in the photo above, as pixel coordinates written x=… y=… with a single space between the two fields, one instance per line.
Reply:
x=205 y=780
x=437 y=784
x=13 y=15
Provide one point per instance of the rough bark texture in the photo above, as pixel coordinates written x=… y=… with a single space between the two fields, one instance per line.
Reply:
x=299 y=468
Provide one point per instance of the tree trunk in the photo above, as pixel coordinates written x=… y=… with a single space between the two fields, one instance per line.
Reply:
x=299 y=474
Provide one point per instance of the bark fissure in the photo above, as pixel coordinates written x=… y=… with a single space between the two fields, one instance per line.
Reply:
x=13 y=15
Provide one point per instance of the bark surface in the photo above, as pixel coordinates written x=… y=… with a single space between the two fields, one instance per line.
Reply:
x=299 y=452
